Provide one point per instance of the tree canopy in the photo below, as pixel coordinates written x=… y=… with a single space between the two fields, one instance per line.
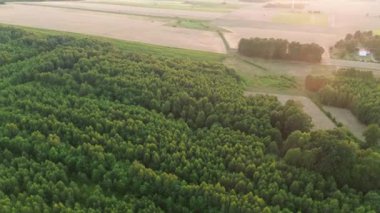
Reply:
x=87 y=127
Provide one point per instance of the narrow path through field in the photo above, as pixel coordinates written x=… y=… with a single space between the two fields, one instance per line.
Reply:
x=319 y=119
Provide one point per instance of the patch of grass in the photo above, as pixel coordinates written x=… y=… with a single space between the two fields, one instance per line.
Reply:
x=301 y=19
x=376 y=32
x=259 y=76
x=137 y=47
x=195 y=24
x=273 y=81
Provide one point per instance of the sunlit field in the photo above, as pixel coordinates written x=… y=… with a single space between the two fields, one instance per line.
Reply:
x=207 y=6
x=301 y=19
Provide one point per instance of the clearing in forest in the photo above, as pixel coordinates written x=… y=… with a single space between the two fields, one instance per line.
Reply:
x=346 y=117
x=319 y=119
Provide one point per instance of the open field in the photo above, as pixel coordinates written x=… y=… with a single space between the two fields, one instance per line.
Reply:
x=117 y=26
x=345 y=117
x=301 y=19
x=209 y=6
x=127 y=10
x=320 y=120
x=137 y=47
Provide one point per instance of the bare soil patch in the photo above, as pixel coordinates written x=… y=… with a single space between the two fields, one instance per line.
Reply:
x=117 y=26
x=132 y=10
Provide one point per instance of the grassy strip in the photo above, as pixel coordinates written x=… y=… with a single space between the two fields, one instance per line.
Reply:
x=316 y=101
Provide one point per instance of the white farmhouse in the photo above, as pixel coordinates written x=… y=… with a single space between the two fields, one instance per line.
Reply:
x=364 y=52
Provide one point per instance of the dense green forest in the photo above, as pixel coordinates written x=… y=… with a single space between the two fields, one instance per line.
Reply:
x=280 y=49
x=88 y=127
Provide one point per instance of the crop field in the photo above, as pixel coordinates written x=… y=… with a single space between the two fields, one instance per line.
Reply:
x=346 y=117
x=301 y=19
x=111 y=25
x=209 y=6
x=128 y=9
x=137 y=47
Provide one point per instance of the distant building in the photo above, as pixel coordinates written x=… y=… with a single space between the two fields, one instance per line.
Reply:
x=364 y=52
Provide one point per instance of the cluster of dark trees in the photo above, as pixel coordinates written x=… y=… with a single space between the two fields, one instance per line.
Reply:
x=352 y=42
x=280 y=49
x=86 y=127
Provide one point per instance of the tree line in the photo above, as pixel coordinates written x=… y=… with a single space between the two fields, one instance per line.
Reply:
x=280 y=49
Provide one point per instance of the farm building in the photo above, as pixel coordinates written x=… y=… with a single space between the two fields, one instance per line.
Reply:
x=364 y=52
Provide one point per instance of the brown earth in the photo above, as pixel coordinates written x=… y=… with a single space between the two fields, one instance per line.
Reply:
x=110 y=25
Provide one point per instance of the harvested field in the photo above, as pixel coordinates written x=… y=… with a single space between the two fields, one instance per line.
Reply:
x=117 y=26
x=320 y=120
x=210 y=6
x=129 y=10
x=346 y=117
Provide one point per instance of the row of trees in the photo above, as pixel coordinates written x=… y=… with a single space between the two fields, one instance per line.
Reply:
x=280 y=49
x=86 y=127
